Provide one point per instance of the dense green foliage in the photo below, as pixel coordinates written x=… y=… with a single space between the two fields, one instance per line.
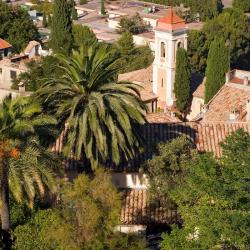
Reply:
x=168 y=168
x=83 y=1
x=37 y=72
x=16 y=27
x=182 y=80
x=72 y=5
x=134 y=24
x=242 y=4
x=83 y=36
x=45 y=21
x=26 y=167
x=103 y=10
x=214 y=200
x=22 y=124
x=84 y=219
x=217 y=66
x=101 y=113
x=61 y=39
x=197 y=50
x=132 y=57
x=231 y=25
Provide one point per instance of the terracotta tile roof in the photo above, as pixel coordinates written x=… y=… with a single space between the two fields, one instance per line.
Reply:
x=206 y=137
x=4 y=44
x=161 y=117
x=143 y=77
x=232 y=96
x=171 y=21
x=136 y=209
x=30 y=46
x=200 y=91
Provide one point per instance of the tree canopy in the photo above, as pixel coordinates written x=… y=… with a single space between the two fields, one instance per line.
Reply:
x=214 y=200
x=61 y=39
x=134 y=24
x=16 y=27
x=85 y=218
x=131 y=57
x=37 y=72
x=182 y=80
x=217 y=66
x=101 y=113
x=167 y=169
x=234 y=28
x=26 y=167
x=83 y=36
x=244 y=5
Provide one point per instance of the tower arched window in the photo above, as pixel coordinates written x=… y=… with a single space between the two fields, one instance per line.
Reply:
x=163 y=49
x=179 y=45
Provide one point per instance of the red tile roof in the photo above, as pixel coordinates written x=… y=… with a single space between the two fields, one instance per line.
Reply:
x=205 y=135
x=143 y=77
x=171 y=21
x=161 y=117
x=4 y=44
x=232 y=96
x=136 y=209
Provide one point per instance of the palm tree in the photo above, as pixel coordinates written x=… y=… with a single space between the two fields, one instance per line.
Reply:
x=100 y=113
x=24 y=163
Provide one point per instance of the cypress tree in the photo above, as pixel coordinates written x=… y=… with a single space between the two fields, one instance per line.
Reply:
x=103 y=11
x=182 y=80
x=217 y=66
x=72 y=5
x=45 y=23
x=49 y=20
x=61 y=38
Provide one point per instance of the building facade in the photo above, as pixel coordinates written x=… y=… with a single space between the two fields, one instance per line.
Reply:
x=170 y=34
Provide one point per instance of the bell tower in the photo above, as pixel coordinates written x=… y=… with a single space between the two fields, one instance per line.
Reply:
x=170 y=34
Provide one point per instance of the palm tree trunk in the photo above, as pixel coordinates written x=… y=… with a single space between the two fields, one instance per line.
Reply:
x=5 y=208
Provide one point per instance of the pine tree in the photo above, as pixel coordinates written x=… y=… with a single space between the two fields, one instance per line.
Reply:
x=61 y=39
x=125 y=43
x=182 y=80
x=217 y=66
x=103 y=10
x=45 y=23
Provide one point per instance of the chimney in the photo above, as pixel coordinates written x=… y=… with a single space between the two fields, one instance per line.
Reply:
x=21 y=87
x=245 y=80
x=228 y=77
x=248 y=111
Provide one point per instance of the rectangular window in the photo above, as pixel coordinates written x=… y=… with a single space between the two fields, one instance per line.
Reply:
x=1 y=70
x=162 y=82
x=13 y=74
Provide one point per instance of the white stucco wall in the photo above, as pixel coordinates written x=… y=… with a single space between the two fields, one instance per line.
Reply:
x=113 y=23
x=131 y=228
x=196 y=107
x=5 y=77
x=6 y=92
x=130 y=180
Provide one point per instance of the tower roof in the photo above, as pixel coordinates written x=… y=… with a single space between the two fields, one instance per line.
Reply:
x=171 y=21
x=4 y=44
